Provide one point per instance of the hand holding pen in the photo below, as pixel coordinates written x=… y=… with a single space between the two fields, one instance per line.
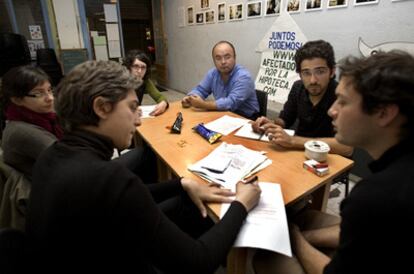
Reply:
x=251 y=180
x=248 y=192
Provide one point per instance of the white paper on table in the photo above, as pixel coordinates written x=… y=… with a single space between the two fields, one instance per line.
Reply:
x=243 y=162
x=266 y=225
x=226 y=124
x=246 y=131
x=146 y=110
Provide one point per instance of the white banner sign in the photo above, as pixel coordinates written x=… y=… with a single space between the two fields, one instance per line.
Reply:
x=277 y=71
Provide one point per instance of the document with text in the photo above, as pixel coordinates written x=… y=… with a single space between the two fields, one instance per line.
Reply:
x=266 y=225
x=226 y=124
x=228 y=164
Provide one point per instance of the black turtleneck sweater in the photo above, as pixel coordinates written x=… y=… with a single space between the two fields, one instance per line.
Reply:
x=377 y=230
x=88 y=213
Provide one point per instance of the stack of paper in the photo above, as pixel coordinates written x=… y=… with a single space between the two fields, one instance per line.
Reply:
x=228 y=164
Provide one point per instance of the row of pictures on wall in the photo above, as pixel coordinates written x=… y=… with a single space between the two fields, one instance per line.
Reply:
x=256 y=9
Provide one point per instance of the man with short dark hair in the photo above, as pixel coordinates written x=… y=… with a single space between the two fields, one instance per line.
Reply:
x=230 y=84
x=308 y=102
x=374 y=110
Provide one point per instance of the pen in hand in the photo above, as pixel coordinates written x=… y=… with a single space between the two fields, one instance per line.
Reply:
x=251 y=180
x=262 y=133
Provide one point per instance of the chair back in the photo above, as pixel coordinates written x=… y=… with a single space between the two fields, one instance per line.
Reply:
x=262 y=99
x=14 y=197
x=14 y=51
x=47 y=60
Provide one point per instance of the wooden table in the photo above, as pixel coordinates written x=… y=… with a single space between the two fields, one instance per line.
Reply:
x=178 y=151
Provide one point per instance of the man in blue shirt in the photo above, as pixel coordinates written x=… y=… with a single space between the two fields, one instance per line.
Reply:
x=231 y=85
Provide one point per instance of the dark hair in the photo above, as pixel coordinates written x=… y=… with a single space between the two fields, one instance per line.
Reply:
x=76 y=92
x=315 y=49
x=223 y=42
x=19 y=81
x=141 y=56
x=381 y=79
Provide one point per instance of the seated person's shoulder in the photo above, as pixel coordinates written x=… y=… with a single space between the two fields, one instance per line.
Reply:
x=298 y=84
x=21 y=130
x=242 y=71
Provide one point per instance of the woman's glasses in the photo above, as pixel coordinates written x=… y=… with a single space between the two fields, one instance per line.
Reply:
x=139 y=67
x=40 y=93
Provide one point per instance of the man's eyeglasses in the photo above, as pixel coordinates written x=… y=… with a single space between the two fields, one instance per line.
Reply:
x=139 y=67
x=40 y=93
x=317 y=72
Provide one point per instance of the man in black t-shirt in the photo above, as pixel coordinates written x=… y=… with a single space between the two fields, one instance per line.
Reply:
x=308 y=102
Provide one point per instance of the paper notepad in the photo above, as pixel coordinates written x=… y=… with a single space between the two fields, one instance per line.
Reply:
x=266 y=225
x=226 y=124
x=246 y=131
x=146 y=110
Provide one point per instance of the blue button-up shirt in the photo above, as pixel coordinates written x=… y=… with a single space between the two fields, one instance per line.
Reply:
x=237 y=95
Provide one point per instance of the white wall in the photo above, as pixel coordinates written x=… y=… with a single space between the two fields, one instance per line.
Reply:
x=189 y=48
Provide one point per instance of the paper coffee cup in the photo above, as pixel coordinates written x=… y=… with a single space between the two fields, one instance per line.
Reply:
x=316 y=150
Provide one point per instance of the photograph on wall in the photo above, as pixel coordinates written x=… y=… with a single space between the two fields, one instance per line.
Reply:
x=221 y=7
x=205 y=4
x=254 y=9
x=312 y=5
x=200 y=17
x=272 y=7
x=35 y=32
x=365 y=2
x=235 y=12
x=333 y=4
x=210 y=17
x=34 y=45
x=190 y=15
x=293 y=6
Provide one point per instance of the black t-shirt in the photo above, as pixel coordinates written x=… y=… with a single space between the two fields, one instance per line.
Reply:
x=313 y=121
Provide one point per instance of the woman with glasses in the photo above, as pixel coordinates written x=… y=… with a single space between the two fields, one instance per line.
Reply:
x=139 y=64
x=31 y=126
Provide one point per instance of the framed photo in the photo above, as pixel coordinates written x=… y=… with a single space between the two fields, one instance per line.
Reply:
x=190 y=15
x=254 y=9
x=205 y=4
x=293 y=6
x=365 y=2
x=312 y=5
x=272 y=7
x=235 y=12
x=221 y=8
x=200 y=18
x=334 y=4
x=210 y=17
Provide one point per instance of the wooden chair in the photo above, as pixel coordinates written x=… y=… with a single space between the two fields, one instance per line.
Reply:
x=47 y=60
